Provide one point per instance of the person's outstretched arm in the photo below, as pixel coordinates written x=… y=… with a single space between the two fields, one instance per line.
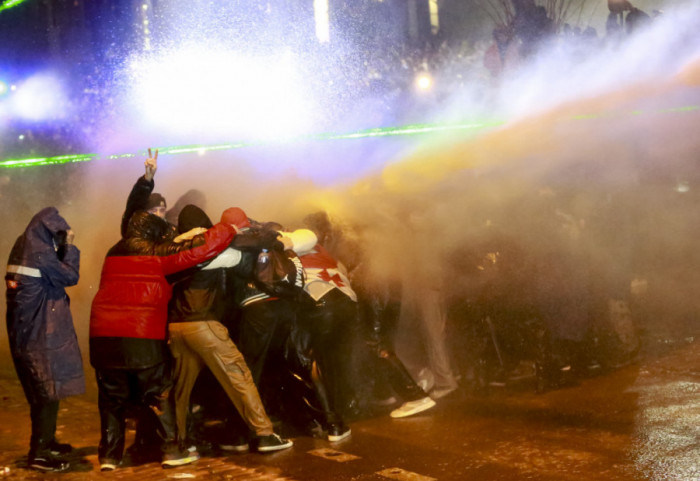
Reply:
x=216 y=240
x=142 y=189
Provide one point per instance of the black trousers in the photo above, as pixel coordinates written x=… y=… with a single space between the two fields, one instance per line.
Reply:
x=119 y=389
x=378 y=324
x=333 y=329
x=398 y=377
x=264 y=330
x=43 y=416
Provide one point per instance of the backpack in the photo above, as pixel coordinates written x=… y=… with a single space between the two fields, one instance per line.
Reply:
x=279 y=273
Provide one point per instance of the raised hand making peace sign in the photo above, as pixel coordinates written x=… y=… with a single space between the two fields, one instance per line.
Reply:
x=151 y=164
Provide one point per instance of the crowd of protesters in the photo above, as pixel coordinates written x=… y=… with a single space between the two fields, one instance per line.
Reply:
x=248 y=322
x=172 y=300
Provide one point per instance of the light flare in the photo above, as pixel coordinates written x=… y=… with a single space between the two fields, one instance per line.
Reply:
x=219 y=92
x=40 y=97
x=424 y=81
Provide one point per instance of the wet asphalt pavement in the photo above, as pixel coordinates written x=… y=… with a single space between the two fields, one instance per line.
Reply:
x=639 y=422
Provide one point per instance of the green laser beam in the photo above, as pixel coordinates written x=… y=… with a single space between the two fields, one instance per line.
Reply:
x=60 y=159
x=196 y=148
x=407 y=130
x=7 y=4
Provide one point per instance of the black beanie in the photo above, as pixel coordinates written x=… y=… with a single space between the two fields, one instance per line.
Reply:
x=155 y=200
x=190 y=217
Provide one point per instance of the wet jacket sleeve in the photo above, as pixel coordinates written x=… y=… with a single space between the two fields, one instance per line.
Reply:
x=255 y=239
x=170 y=247
x=146 y=246
x=216 y=240
x=60 y=273
x=230 y=257
x=137 y=200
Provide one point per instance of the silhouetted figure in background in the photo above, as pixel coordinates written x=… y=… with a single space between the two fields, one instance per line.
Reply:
x=636 y=19
x=193 y=197
x=531 y=26
x=613 y=29
x=618 y=8
x=420 y=340
x=564 y=298
x=495 y=55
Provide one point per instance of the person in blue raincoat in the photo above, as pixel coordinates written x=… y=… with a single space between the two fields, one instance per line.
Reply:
x=43 y=343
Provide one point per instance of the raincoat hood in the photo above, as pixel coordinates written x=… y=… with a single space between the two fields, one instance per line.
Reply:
x=45 y=225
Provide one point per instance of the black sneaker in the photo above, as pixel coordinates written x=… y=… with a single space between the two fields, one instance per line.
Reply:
x=48 y=464
x=273 y=442
x=58 y=449
x=179 y=457
x=235 y=448
x=338 y=432
x=138 y=454
x=237 y=444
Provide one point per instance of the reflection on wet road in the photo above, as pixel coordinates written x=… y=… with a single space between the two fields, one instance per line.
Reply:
x=640 y=422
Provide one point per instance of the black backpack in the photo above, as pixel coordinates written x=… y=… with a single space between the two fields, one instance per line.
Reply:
x=279 y=273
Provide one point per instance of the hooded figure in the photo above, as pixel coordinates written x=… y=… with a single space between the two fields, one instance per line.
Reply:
x=44 y=347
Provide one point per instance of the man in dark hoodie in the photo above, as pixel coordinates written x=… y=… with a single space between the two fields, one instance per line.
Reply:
x=128 y=347
x=45 y=351
x=199 y=339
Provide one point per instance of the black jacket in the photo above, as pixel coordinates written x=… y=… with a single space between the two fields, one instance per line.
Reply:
x=138 y=197
x=214 y=294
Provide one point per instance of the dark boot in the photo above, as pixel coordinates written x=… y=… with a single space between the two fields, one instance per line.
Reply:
x=400 y=379
x=43 y=418
x=336 y=428
x=46 y=462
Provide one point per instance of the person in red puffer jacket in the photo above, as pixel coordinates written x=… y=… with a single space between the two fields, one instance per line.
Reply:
x=128 y=325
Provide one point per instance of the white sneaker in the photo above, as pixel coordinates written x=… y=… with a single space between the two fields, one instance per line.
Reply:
x=413 y=407
x=386 y=402
x=439 y=393
x=172 y=460
x=108 y=466
x=338 y=432
x=425 y=379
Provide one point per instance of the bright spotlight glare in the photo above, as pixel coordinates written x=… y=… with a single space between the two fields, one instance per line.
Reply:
x=4 y=88
x=424 y=81
x=39 y=98
x=682 y=187
x=220 y=92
